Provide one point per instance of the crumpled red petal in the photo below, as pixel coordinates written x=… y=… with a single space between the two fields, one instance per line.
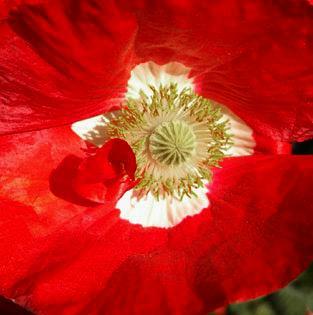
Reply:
x=258 y=228
x=49 y=170
x=107 y=175
x=254 y=57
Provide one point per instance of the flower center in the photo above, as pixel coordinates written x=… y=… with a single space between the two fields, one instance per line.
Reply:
x=172 y=143
x=177 y=137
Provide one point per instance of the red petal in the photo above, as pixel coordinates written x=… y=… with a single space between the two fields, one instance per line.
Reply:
x=267 y=145
x=239 y=248
x=255 y=57
x=108 y=174
x=47 y=170
x=7 y=5
x=78 y=64
x=26 y=165
x=269 y=237
x=268 y=101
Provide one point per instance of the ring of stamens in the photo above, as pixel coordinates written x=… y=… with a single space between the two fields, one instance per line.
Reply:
x=177 y=137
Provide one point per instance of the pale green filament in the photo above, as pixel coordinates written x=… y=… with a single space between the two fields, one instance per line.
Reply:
x=172 y=143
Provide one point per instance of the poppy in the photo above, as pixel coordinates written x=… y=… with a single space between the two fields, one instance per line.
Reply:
x=146 y=162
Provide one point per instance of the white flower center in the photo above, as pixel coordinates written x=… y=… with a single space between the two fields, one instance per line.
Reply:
x=177 y=137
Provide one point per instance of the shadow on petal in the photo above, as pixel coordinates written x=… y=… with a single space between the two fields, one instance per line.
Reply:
x=61 y=181
x=9 y=308
x=100 y=178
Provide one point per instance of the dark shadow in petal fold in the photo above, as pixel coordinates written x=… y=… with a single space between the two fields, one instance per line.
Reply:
x=305 y=147
x=100 y=178
x=9 y=308
x=61 y=181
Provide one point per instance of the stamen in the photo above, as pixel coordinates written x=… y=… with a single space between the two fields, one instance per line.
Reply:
x=177 y=139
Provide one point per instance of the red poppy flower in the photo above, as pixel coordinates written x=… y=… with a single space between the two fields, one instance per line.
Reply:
x=114 y=116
